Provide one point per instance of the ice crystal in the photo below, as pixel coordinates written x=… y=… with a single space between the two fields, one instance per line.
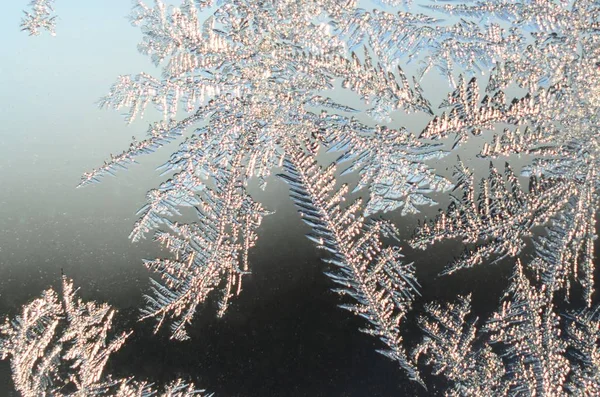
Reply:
x=497 y=221
x=59 y=346
x=450 y=346
x=554 y=57
x=249 y=87
x=583 y=331
x=208 y=253
x=470 y=115
x=382 y=286
x=467 y=45
x=567 y=251
x=564 y=156
x=40 y=17
x=391 y=163
x=545 y=40
x=252 y=87
x=537 y=358
x=467 y=114
x=528 y=328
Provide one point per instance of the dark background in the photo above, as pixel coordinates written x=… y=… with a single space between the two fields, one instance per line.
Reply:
x=283 y=335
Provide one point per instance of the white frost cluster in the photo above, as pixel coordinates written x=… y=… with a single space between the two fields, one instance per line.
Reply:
x=40 y=17
x=59 y=346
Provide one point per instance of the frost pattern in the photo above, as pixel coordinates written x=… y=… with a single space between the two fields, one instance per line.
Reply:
x=497 y=221
x=40 y=17
x=391 y=163
x=537 y=358
x=59 y=346
x=382 y=286
x=251 y=87
x=583 y=332
x=554 y=60
x=246 y=88
x=567 y=251
x=214 y=250
x=450 y=347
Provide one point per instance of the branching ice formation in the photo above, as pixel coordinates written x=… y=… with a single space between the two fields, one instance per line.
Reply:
x=450 y=347
x=59 y=346
x=555 y=60
x=391 y=164
x=212 y=251
x=527 y=327
x=497 y=221
x=382 y=286
x=583 y=333
x=254 y=77
x=39 y=17
x=537 y=358
x=248 y=87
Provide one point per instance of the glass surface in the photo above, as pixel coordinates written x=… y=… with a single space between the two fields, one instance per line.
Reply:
x=240 y=109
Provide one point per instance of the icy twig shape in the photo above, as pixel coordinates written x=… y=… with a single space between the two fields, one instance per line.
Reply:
x=497 y=221
x=212 y=252
x=59 y=346
x=40 y=17
x=373 y=276
x=392 y=164
x=566 y=251
x=537 y=358
x=583 y=332
x=252 y=76
x=451 y=347
x=528 y=329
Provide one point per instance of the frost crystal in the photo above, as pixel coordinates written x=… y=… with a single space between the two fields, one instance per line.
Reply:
x=555 y=60
x=249 y=87
x=60 y=346
x=449 y=346
x=391 y=163
x=382 y=286
x=583 y=331
x=527 y=327
x=537 y=359
x=254 y=79
x=497 y=221
x=40 y=17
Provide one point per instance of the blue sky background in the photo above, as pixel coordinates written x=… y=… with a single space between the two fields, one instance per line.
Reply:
x=51 y=132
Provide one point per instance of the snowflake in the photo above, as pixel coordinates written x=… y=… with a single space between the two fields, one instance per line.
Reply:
x=39 y=18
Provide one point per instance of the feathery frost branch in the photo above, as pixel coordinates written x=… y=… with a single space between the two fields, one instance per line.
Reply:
x=520 y=350
x=59 y=346
x=373 y=276
x=247 y=87
x=39 y=17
